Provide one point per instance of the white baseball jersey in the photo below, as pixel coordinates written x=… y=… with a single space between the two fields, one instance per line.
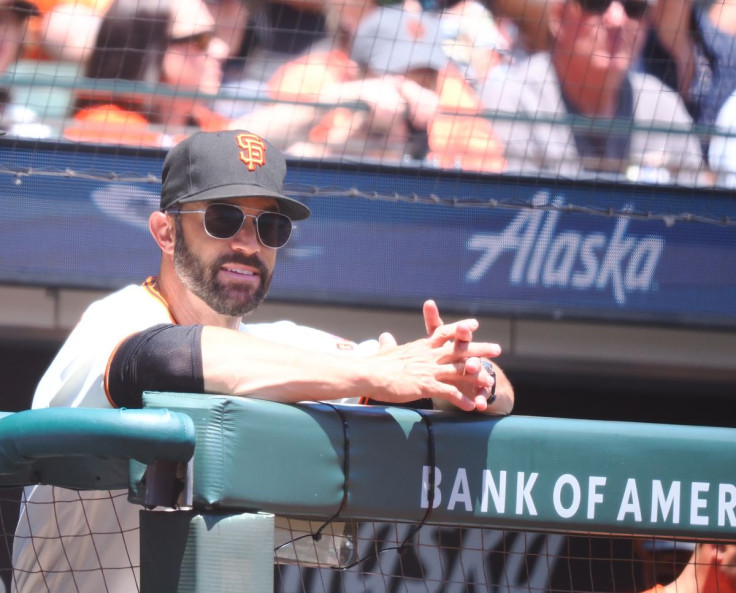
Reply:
x=88 y=541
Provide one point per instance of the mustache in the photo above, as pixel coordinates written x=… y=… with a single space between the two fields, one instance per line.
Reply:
x=246 y=260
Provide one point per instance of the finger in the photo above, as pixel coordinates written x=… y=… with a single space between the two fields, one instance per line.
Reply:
x=463 y=338
x=386 y=340
x=481 y=350
x=464 y=330
x=457 y=352
x=481 y=400
x=460 y=330
x=454 y=396
x=474 y=385
x=467 y=378
x=432 y=319
x=472 y=366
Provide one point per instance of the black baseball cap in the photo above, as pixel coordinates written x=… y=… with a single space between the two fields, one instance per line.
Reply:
x=227 y=164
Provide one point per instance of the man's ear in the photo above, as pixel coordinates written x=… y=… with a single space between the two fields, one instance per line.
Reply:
x=163 y=229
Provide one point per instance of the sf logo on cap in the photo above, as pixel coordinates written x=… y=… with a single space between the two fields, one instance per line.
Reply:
x=253 y=151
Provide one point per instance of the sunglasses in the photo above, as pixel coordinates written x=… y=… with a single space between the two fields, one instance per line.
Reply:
x=224 y=221
x=199 y=40
x=634 y=9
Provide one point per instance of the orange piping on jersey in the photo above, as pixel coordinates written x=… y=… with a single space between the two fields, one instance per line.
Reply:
x=107 y=372
x=150 y=286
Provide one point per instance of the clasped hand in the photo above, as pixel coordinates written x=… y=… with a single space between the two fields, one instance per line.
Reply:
x=445 y=365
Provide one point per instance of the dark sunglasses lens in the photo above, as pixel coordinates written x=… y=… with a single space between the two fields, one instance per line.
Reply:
x=595 y=6
x=636 y=9
x=223 y=221
x=274 y=229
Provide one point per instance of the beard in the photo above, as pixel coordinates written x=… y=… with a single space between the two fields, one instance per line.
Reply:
x=200 y=279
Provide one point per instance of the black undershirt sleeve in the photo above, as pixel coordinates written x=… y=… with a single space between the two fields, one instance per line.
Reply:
x=165 y=357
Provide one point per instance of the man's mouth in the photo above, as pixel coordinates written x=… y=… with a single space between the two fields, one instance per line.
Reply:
x=240 y=271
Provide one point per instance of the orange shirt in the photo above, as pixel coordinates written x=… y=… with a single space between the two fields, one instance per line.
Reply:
x=111 y=124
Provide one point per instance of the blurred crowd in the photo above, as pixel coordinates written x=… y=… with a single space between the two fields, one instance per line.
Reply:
x=638 y=89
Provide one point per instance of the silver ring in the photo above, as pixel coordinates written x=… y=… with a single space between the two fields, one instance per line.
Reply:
x=488 y=366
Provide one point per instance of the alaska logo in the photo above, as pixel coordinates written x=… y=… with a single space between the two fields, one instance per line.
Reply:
x=569 y=259
x=253 y=152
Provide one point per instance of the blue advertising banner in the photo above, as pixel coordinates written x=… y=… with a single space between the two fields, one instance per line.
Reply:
x=76 y=216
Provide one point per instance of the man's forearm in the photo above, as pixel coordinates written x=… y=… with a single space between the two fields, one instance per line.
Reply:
x=238 y=364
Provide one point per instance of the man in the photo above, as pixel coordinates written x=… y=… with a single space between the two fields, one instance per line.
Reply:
x=588 y=73
x=408 y=48
x=711 y=569
x=175 y=44
x=223 y=216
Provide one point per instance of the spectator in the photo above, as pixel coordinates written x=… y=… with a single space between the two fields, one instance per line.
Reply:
x=223 y=216
x=711 y=569
x=390 y=60
x=399 y=56
x=328 y=75
x=67 y=29
x=14 y=15
x=689 y=53
x=441 y=103
x=588 y=72
x=150 y=42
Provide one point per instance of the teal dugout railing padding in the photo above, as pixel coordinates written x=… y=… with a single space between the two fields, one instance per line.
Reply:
x=523 y=473
x=384 y=463
x=87 y=448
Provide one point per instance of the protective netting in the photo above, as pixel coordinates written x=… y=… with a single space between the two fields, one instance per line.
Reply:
x=394 y=557
x=454 y=560
x=563 y=89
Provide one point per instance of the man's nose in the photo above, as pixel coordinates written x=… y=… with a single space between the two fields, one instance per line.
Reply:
x=615 y=14
x=246 y=239
x=218 y=49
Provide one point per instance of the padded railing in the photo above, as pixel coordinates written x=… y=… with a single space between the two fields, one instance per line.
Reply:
x=86 y=448
x=325 y=462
